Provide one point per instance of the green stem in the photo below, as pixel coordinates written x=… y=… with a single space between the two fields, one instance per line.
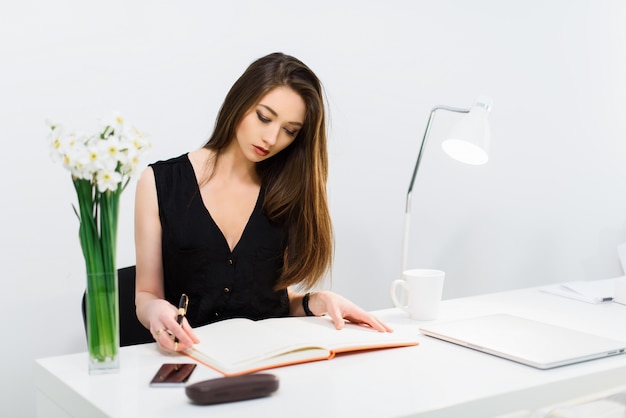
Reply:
x=98 y=235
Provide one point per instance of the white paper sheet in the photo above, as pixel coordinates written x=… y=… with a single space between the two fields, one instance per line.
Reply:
x=596 y=291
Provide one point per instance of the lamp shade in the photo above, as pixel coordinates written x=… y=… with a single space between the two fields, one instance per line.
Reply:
x=468 y=140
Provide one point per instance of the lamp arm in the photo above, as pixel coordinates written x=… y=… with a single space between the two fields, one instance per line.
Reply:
x=407 y=213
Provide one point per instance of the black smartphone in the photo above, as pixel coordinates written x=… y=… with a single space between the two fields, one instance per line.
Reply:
x=172 y=375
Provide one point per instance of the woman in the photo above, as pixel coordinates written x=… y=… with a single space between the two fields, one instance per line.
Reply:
x=238 y=222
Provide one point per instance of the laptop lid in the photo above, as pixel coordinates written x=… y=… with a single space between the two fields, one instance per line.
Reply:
x=526 y=341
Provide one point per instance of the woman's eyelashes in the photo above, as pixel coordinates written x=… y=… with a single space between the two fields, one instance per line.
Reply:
x=265 y=119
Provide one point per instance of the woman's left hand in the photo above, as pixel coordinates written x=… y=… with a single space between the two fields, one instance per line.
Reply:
x=341 y=309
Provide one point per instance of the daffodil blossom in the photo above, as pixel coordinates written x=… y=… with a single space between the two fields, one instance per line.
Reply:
x=115 y=147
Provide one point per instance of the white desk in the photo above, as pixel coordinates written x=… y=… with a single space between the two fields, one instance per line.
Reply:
x=434 y=379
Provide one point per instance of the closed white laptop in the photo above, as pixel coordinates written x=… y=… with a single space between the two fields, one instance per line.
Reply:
x=534 y=343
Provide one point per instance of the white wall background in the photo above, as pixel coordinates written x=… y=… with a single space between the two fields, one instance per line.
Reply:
x=550 y=206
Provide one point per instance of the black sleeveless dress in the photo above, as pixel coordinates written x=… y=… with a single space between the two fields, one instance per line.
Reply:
x=197 y=259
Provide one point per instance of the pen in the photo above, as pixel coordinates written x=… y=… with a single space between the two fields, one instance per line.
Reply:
x=182 y=311
x=182 y=308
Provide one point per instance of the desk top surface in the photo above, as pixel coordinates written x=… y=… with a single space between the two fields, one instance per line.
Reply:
x=428 y=379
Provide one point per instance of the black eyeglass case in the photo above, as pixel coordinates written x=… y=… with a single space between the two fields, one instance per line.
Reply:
x=232 y=389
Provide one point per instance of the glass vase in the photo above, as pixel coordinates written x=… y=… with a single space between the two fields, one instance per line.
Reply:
x=103 y=330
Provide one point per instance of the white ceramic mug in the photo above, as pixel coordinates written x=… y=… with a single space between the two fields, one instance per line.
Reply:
x=422 y=289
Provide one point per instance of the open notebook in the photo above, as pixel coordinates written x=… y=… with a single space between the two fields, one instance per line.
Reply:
x=534 y=343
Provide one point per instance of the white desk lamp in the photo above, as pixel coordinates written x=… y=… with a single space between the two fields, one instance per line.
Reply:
x=468 y=142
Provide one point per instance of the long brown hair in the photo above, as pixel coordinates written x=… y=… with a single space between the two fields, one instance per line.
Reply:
x=295 y=179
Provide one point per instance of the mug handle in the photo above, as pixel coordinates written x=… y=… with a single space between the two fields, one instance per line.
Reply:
x=394 y=293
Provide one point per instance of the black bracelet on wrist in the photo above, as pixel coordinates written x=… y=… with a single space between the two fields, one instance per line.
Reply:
x=305 y=305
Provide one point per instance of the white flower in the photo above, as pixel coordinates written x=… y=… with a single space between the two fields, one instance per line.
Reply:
x=76 y=158
x=108 y=180
x=106 y=158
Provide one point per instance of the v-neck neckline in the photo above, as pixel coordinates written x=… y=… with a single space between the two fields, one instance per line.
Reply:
x=217 y=227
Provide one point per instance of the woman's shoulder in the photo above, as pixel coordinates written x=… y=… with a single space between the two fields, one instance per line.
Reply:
x=199 y=157
x=189 y=162
x=163 y=171
x=173 y=160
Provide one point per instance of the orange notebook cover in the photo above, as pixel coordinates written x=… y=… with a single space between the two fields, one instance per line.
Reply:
x=240 y=346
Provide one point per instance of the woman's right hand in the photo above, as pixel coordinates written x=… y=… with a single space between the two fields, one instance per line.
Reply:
x=153 y=311
x=163 y=326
